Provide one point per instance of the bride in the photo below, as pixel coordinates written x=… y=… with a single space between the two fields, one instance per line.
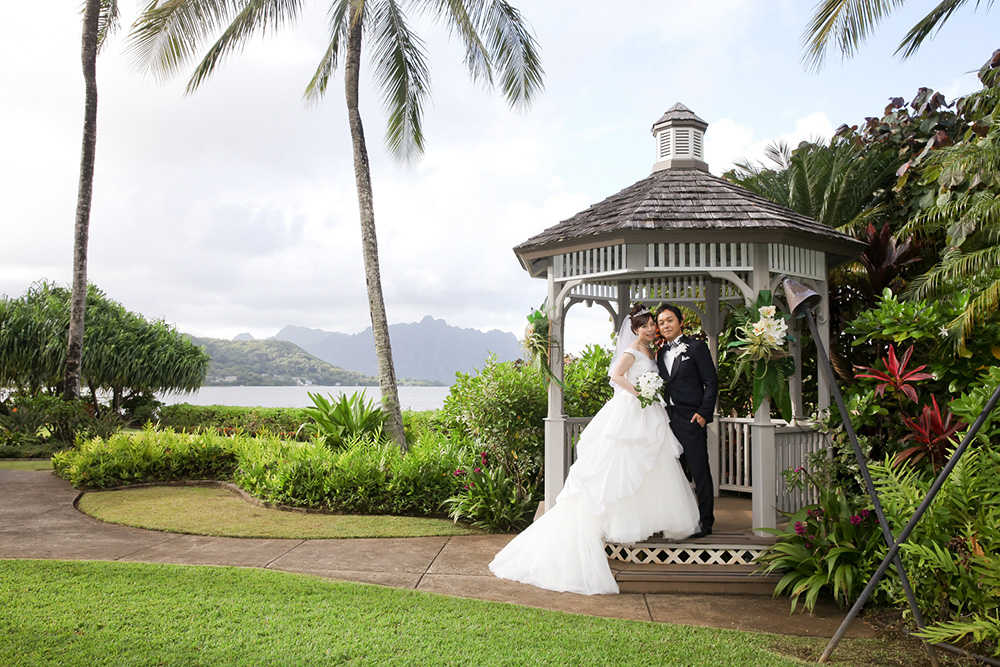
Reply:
x=625 y=485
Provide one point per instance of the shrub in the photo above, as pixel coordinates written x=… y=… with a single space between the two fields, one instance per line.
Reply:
x=336 y=420
x=490 y=498
x=42 y=421
x=832 y=546
x=148 y=456
x=588 y=386
x=225 y=419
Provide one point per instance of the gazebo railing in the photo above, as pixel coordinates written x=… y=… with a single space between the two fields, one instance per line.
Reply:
x=793 y=444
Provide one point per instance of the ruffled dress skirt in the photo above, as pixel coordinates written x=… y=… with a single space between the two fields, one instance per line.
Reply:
x=625 y=485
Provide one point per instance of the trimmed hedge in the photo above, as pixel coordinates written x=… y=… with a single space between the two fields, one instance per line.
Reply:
x=364 y=477
x=228 y=419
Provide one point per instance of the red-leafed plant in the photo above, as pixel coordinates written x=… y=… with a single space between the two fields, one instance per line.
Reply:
x=933 y=433
x=895 y=375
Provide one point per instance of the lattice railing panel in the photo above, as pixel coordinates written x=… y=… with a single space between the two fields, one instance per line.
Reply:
x=792 y=447
x=683 y=554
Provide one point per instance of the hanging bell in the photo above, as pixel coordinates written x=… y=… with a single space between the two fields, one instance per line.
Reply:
x=799 y=297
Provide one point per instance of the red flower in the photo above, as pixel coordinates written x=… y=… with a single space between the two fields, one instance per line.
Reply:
x=896 y=376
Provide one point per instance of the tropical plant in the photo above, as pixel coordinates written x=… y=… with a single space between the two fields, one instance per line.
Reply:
x=896 y=376
x=100 y=18
x=497 y=43
x=491 y=499
x=336 y=420
x=966 y=212
x=832 y=545
x=981 y=627
x=124 y=353
x=933 y=434
x=586 y=380
x=849 y=22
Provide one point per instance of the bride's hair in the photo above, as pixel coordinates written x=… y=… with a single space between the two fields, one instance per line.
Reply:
x=638 y=316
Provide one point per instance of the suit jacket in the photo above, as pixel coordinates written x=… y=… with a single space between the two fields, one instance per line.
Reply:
x=692 y=382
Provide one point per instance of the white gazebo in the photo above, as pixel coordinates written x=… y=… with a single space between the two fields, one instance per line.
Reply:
x=684 y=236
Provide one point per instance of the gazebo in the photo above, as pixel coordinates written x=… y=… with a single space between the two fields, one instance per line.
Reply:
x=687 y=237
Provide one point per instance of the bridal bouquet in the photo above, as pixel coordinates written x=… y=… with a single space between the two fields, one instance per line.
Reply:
x=649 y=386
x=763 y=358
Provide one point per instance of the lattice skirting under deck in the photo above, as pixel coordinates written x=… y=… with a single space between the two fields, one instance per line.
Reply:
x=684 y=554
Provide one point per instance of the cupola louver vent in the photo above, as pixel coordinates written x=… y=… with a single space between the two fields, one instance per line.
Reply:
x=679 y=135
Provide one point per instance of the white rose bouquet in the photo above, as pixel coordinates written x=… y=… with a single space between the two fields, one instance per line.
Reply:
x=649 y=386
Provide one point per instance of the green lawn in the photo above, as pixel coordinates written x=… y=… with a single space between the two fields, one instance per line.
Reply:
x=22 y=464
x=218 y=511
x=87 y=613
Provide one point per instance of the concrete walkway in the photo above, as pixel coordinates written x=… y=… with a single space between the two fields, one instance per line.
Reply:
x=38 y=520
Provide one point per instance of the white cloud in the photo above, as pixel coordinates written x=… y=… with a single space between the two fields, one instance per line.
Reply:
x=727 y=141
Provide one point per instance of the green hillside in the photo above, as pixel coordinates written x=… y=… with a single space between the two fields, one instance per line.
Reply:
x=271 y=363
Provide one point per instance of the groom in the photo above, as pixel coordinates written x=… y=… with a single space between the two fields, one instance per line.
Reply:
x=691 y=388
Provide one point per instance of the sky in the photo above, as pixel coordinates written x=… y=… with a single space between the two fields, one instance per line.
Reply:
x=234 y=210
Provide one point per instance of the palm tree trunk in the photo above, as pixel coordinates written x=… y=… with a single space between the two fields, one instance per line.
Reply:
x=78 y=303
x=369 y=242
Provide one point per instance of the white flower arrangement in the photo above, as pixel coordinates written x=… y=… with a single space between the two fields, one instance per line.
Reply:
x=763 y=358
x=681 y=348
x=649 y=386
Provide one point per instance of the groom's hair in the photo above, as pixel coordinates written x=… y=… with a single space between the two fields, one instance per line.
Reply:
x=673 y=309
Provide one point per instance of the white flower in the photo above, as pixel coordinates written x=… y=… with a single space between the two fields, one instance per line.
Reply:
x=759 y=327
x=681 y=348
x=943 y=332
x=766 y=311
x=648 y=385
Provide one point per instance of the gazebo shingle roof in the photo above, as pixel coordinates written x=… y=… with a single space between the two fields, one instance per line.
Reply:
x=690 y=201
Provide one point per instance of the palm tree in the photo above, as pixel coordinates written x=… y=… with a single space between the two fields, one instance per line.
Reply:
x=849 y=22
x=497 y=44
x=100 y=18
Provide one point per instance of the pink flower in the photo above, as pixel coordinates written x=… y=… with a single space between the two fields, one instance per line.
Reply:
x=855 y=520
x=459 y=472
x=864 y=514
x=477 y=470
x=800 y=528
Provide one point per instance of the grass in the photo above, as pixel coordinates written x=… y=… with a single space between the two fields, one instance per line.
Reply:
x=88 y=613
x=21 y=464
x=218 y=511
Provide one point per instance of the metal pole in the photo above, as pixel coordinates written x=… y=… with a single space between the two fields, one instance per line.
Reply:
x=824 y=364
x=928 y=499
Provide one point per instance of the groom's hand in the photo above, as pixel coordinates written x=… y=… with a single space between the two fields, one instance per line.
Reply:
x=696 y=418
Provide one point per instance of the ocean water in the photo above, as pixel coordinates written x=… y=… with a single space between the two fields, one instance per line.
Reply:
x=411 y=398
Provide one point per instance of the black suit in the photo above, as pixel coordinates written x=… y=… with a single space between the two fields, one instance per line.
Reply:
x=692 y=386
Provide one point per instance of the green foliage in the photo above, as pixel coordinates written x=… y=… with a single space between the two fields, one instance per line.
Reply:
x=962 y=523
x=29 y=423
x=971 y=404
x=982 y=627
x=228 y=420
x=123 y=352
x=147 y=456
x=336 y=420
x=490 y=499
x=587 y=384
x=832 y=546
x=365 y=476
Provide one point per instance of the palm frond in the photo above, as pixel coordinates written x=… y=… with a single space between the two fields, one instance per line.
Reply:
x=107 y=21
x=339 y=13
x=168 y=32
x=255 y=17
x=514 y=52
x=465 y=17
x=846 y=22
x=933 y=22
x=401 y=67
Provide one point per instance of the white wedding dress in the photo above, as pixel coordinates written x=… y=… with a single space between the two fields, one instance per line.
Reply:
x=625 y=485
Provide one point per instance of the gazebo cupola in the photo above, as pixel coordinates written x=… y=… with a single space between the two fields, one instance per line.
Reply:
x=680 y=140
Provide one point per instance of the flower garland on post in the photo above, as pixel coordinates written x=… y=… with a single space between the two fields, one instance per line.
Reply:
x=764 y=359
x=536 y=342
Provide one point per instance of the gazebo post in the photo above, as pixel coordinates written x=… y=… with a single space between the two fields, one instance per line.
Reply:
x=712 y=324
x=823 y=320
x=556 y=463
x=764 y=493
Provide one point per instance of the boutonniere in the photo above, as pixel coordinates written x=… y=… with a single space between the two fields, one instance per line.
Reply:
x=682 y=348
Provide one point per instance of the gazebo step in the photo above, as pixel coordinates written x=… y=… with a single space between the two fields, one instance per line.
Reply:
x=713 y=551
x=701 y=579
